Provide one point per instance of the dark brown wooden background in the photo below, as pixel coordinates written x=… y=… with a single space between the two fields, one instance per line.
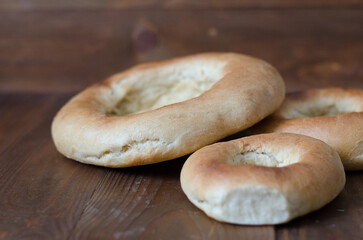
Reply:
x=49 y=50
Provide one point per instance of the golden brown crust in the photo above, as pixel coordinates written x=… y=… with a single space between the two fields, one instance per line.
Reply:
x=309 y=174
x=86 y=128
x=343 y=130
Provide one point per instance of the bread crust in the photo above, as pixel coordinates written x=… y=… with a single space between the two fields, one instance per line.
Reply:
x=307 y=175
x=86 y=129
x=343 y=131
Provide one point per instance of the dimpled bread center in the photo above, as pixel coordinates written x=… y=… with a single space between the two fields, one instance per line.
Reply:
x=320 y=107
x=155 y=88
x=264 y=157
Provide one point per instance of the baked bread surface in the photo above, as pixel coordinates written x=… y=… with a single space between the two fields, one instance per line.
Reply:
x=160 y=111
x=263 y=179
x=334 y=115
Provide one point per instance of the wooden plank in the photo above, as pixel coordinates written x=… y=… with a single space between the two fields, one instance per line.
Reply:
x=41 y=194
x=68 y=50
x=148 y=203
x=16 y=110
x=340 y=219
x=24 y=5
x=46 y=196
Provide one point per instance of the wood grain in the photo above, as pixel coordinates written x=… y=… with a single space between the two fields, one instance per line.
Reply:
x=43 y=195
x=329 y=221
x=24 y=5
x=68 y=50
x=148 y=203
x=16 y=112
x=52 y=49
x=40 y=198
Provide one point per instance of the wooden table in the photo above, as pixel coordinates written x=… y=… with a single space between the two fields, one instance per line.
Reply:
x=52 y=49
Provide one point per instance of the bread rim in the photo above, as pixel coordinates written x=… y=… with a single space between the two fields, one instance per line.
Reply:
x=294 y=175
x=344 y=132
x=83 y=130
